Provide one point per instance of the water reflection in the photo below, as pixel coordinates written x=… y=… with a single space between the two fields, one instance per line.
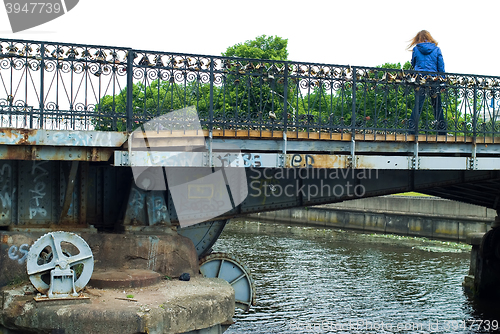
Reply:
x=315 y=280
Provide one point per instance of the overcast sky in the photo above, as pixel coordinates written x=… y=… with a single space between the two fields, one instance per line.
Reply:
x=363 y=32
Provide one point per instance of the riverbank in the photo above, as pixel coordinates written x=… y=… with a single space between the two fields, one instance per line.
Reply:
x=419 y=216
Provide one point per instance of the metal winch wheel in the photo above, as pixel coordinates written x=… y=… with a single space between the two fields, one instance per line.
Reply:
x=60 y=264
x=229 y=268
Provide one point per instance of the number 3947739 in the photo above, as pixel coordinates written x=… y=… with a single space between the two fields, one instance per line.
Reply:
x=33 y=8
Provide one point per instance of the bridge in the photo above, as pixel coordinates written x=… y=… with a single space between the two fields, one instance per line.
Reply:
x=83 y=103
x=85 y=137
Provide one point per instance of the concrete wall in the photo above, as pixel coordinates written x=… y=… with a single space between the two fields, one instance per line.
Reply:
x=411 y=216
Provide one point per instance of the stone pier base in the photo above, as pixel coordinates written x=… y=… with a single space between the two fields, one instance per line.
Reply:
x=484 y=273
x=201 y=305
x=139 y=289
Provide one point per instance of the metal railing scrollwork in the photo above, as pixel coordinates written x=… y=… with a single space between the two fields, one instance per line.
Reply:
x=88 y=87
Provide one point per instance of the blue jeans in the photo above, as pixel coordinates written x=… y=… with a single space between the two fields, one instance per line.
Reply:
x=417 y=110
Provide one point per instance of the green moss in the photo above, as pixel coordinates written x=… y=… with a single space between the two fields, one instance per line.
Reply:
x=16 y=281
x=412 y=193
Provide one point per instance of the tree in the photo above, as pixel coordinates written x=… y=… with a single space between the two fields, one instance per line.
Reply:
x=262 y=47
x=252 y=90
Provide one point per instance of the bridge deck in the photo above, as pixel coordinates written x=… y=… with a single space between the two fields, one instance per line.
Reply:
x=260 y=149
x=10 y=136
x=271 y=149
x=302 y=135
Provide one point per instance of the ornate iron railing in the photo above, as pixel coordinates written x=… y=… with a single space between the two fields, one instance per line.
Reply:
x=85 y=87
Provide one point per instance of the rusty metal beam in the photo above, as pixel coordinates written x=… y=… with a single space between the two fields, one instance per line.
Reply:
x=70 y=187
x=9 y=136
x=300 y=160
x=84 y=170
x=51 y=153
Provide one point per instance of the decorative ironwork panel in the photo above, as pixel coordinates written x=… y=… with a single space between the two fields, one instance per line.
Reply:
x=87 y=87
x=64 y=85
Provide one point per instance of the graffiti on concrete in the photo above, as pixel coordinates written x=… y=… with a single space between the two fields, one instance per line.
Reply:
x=19 y=254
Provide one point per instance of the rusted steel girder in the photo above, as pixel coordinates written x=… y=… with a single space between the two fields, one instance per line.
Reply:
x=41 y=137
x=52 y=153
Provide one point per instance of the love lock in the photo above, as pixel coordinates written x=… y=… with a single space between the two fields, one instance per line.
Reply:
x=60 y=264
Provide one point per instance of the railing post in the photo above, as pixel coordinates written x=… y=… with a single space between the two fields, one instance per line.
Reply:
x=475 y=112
x=42 y=70
x=285 y=102
x=211 y=113
x=353 y=113
x=352 y=158
x=211 y=107
x=130 y=89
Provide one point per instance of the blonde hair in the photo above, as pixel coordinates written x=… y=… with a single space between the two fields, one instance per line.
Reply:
x=421 y=37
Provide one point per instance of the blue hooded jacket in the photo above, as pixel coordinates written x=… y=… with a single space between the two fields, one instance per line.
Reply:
x=427 y=57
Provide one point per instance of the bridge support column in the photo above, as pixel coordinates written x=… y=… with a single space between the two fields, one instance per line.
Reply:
x=483 y=280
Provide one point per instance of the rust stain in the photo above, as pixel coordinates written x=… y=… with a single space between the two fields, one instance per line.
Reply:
x=24 y=152
x=5 y=239
x=315 y=161
x=20 y=136
x=24 y=139
x=361 y=165
x=6 y=132
x=95 y=156
x=67 y=226
x=16 y=153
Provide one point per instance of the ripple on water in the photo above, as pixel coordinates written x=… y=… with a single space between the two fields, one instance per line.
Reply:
x=310 y=275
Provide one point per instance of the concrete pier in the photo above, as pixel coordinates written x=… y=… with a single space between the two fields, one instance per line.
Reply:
x=144 y=294
x=204 y=305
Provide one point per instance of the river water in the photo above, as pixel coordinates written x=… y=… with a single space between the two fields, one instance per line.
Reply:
x=313 y=280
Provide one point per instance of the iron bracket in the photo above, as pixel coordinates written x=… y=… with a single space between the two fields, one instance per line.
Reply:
x=284 y=143
x=280 y=160
x=415 y=160
x=351 y=160
x=472 y=161
x=210 y=149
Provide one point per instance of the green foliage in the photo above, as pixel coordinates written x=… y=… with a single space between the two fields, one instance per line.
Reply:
x=262 y=47
x=237 y=98
x=396 y=66
x=149 y=101
x=252 y=97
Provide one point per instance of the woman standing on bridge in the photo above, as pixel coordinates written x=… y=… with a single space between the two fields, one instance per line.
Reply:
x=426 y=57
